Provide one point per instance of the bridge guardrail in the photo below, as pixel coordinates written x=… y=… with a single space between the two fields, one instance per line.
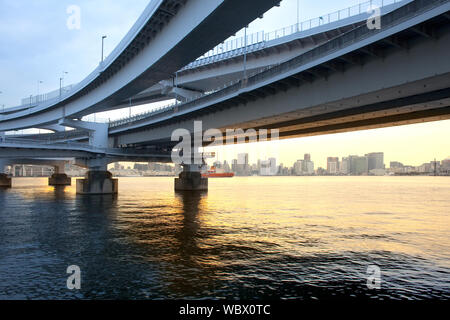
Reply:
x=47 y=143
x=256 y=41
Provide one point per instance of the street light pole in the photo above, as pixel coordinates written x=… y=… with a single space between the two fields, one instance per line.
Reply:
x=38 y=83
x=61 y=83
x=3 y=104
x=103 y=45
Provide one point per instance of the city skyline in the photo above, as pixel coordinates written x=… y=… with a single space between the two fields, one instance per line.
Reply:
x=413 y=144
x=372 y=163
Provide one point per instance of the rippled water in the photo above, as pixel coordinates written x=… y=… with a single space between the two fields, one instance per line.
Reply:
x=290 y=237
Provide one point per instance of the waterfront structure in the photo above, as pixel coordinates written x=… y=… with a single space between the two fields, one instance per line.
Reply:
x=338 y=64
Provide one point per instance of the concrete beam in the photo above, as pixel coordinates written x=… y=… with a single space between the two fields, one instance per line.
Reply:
x=98 y=132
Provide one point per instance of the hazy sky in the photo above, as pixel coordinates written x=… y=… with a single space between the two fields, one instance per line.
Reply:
x=36 y=45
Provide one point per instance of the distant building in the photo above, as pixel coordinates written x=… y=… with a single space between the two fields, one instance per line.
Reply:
x=445 y=166
x=345 y=166
x=309 y=167
x=31 y=171
x=268 y=167
x=242 y=168
x=359 y=165
x=298 y=167
x=234 y=164
x=142 y=167
x=425 y=168
x=395 y=164
x=375 y=160
x=377 y=172
x=226 y=167
x=332 y=165
x=242 y=158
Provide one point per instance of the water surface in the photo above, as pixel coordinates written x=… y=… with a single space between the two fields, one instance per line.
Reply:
x=246 y=238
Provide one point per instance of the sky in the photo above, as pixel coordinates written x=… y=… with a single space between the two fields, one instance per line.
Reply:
x=37 y=48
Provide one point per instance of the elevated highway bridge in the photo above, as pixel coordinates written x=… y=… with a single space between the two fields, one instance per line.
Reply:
x=363 y=78
x=225 y=63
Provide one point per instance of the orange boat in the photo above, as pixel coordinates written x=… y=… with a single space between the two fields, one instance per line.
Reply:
x=212 y=173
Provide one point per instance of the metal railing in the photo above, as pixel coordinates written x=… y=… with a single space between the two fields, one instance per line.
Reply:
x=78 y=146
x=34 y=100
x=34 y=142
x=257 y=40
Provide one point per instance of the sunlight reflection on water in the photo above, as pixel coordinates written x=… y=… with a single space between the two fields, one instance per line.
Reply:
x=286 y=237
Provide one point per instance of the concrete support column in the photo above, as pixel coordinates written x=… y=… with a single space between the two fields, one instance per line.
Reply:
x=5 y=180
x=97 y=180
x=190 y=179
x=59 y=178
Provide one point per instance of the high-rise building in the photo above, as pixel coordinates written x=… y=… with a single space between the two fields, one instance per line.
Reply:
x=268 y=167
x=242 y=168
x=332 y=165
x=309 y=167
x=234 y=165
x=345 y=166
x=359 y=165
x=298 y=167
x=375 y=160
x=242 y=158
x=226 y=166
x=445 y=165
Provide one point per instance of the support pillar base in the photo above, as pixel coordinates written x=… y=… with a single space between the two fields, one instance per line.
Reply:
x=191 y=181
x=5 y=181
x=97 y=182
x=59 y=179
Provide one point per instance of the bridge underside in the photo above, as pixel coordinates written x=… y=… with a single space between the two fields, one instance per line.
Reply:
x=403 y=78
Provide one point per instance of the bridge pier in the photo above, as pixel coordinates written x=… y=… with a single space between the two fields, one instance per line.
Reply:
x=5 y=180
x=59 y=178
x=97 y=182
x=190 y=179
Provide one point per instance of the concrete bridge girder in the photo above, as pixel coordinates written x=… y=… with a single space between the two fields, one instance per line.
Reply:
x=185 y=36
x=379 y=79
x=98 y=132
